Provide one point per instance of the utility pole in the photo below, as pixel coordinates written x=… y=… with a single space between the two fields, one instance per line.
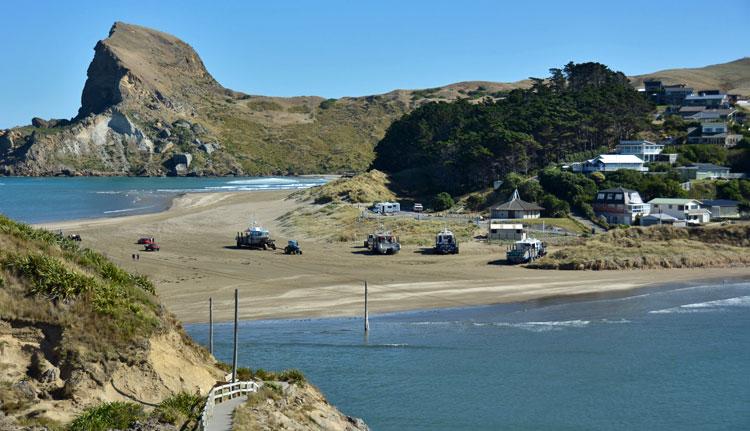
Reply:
x=234 y=359
x=367 y=318
x=211 y=325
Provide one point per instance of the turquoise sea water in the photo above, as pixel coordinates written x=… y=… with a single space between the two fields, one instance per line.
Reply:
x=39 y=200
x=672 y=358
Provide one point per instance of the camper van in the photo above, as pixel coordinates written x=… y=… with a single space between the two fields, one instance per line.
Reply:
x=386 y=208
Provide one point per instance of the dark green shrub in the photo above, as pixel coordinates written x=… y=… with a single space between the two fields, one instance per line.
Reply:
x=442 y=201
x=116 y=415
x=179 y=408
x=475 y=202
x=49 y=276
x=328 y=103
x=292 y=376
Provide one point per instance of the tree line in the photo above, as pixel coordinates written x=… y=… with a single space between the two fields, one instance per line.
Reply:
x=461 y=146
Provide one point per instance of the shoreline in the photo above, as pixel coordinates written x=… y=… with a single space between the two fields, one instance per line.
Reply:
x=616 y=294
x=198 y=260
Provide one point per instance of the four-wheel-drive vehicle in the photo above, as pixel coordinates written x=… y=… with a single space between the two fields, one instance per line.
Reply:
x=385 y=243
x=146 y=240
x=152 y=246
x=417 y=208
x=292 y=247
x=446 y=243
x=74 y=237
x=255 y=237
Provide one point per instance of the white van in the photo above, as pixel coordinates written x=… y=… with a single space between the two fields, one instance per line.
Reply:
x=386 y=207
x=418 y=208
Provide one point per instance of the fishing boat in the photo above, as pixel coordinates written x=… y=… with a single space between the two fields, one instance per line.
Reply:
x=446 y=243
x=525 y=251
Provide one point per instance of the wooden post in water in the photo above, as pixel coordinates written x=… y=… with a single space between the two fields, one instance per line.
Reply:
x=234 y=358
x=211 y=325
x=367 y=318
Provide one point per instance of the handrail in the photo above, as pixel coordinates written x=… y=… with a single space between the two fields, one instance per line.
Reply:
x=221 y=393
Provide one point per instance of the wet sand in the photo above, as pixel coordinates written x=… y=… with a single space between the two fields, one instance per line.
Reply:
x=198 y=260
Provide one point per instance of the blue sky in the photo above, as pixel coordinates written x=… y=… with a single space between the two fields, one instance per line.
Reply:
x=352 y=48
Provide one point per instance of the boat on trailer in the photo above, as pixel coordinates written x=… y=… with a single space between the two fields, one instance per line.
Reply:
x=446 y=242
x=525 y=251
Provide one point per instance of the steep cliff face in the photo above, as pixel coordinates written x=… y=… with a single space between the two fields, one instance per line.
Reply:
x=159 y=85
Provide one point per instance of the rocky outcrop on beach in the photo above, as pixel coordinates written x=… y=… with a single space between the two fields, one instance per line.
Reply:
x=294 y=407
x=148 y=96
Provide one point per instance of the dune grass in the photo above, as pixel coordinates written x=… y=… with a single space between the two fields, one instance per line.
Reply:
x=368 y=187
x=655 y=247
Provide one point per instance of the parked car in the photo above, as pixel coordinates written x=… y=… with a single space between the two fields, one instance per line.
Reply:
x=152 y=246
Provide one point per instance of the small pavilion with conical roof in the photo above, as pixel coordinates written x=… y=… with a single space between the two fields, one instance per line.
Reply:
x=516 y=208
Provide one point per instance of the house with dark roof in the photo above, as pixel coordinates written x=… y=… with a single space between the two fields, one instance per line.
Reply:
x=620 y=205
x=722 y=208
x=712 y=133
x=516 y=208
x=707 y=100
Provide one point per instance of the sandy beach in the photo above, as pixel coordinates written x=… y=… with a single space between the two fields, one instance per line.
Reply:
x=198 y=260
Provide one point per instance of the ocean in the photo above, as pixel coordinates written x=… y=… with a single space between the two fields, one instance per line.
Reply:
x=48 y=199
x=668 y=358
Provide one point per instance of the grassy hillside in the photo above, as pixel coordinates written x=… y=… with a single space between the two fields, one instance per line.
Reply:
x=77 y=331
x=732 y=77
x=655 y=247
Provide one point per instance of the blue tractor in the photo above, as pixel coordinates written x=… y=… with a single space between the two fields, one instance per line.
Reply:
x=292 y=247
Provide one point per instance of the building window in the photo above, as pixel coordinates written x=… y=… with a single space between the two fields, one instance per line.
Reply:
x=618 y=196
x=600 y=196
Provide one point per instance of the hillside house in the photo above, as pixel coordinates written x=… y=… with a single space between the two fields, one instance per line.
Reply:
x=620 y=205
x=516 y=208
x=674 y=94
x=707 y=99
x=722 y=208
x=610 y=163
x=704 y=115
x=703 y=171
x=644 y=150
x=505 y=231
x=688 y=210
x=712 y=133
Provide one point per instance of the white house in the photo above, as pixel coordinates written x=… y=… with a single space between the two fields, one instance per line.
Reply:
x=645 y=150
x=610 y=163
x=682 y=209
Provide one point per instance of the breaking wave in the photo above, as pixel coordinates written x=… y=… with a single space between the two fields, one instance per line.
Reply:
x=127 y=210
x=706 y=307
